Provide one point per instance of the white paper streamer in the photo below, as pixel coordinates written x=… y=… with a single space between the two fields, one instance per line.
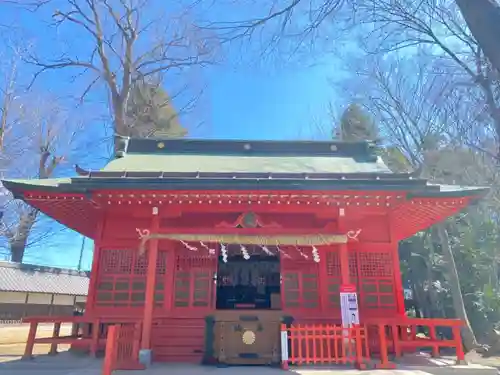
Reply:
x=223 y=251
x=244 y=252
x=315 y=254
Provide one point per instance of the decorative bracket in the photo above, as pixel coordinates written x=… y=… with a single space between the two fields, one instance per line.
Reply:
x=248 y=220
x=143 y=233
x=353 y=234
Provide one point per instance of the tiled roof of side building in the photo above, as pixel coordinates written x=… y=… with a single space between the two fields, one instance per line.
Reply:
x=30 y=278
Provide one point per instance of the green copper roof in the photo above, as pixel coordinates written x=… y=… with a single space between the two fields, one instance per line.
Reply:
x=253 y=164
x=232 y=156
x=186 y=164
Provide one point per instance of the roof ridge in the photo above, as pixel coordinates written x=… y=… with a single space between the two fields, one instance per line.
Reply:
x=160 y=146
x=44 y=269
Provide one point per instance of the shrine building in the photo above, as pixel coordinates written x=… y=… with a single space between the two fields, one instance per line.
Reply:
x=212 y=245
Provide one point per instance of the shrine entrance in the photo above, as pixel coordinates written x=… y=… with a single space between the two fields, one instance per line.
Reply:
x=248 y=306
x=250 y=282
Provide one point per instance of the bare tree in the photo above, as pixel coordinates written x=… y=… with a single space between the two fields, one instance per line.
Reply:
x=483 y=20
x=35 y=137
x=416 y=113
x=37 y=143
x=467 y=49
x=306 y=19
x=129 y=42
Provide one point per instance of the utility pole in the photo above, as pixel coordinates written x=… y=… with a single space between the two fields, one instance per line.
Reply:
x=81 y=254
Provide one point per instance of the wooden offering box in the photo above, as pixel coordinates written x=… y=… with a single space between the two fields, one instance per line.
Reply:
x=247 y=337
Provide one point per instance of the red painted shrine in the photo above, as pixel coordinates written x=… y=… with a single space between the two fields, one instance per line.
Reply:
x=211 y=245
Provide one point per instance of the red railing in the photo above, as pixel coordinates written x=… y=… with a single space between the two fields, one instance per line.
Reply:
x=87 y=332
x=324 y=344
x=401 y=335
x=122 y=348
x=333 y=344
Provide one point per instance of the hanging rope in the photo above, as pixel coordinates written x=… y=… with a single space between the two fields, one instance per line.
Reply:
x=210 y=250
x=267 y=251
x=188 y=246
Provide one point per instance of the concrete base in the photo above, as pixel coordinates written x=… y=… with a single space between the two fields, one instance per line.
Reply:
x=470 y=369
x=146 y=357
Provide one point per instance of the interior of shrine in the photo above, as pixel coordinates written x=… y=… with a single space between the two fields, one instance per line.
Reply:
x=250 y=282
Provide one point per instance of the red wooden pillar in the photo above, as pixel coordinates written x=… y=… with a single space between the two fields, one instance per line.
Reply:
x=343 y=254
x=94 y=278
x=170 y=276
x=149 y=301
x=398 y=282
x=323 y=279
x=344 y=264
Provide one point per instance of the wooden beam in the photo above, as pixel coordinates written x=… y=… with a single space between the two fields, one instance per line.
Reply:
x=246 y=231
x=343 y=254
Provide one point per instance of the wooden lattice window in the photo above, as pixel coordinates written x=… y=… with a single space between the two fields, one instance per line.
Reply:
x=333 y=276
x=377 y=281
x=333 y=279
x=194 y=279
x=301 y=285
x=122 y=278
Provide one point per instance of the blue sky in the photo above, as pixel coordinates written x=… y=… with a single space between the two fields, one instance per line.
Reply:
x=242 y=99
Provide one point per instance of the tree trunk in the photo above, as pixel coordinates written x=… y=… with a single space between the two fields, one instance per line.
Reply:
x=17 y=249
x=483 y=19
x=436 y=309
x=468 y=336
x=18 y=243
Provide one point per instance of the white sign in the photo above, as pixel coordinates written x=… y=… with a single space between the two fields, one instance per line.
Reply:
x=284 y=346
x=349 y=308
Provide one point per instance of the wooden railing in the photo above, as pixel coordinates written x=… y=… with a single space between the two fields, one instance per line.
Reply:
x=400 y=336
x=88 y=333
x=323 y=344
x=122 y=348
x=375 y=339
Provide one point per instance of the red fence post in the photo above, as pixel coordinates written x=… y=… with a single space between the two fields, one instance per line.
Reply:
x=432 y=335
x=55 y=335
x=459 y=346
x=28 y=350
x=360 y=365
x=110 y=354
x=395 y=338
x=94 y=344
x=384 y=357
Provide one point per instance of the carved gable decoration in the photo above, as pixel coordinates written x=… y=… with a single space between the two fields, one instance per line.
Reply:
x=248 y=220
